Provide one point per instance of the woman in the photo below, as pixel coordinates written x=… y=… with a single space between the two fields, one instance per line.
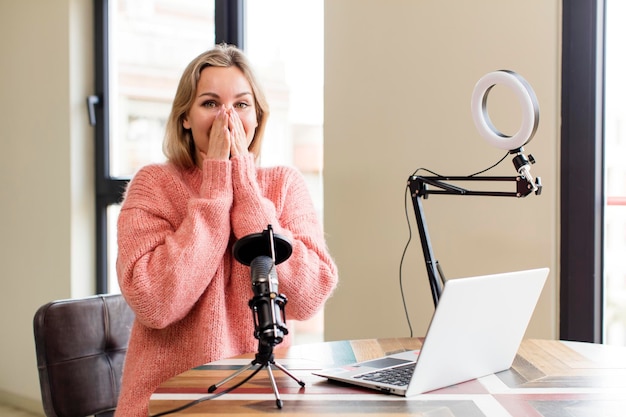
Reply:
x=180 y=219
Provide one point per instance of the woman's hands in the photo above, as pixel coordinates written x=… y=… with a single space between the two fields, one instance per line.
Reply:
x=227 y=137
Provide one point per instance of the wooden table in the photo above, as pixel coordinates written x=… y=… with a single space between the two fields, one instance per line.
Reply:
x=547 y=379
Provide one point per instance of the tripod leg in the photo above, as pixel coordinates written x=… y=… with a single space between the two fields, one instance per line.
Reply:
x=292 y=376
x=212 y=388
x=279 y=402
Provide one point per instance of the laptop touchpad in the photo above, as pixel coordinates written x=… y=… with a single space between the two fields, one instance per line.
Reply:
x=384 y=362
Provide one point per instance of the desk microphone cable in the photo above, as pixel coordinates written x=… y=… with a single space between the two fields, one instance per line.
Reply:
x=208 y=397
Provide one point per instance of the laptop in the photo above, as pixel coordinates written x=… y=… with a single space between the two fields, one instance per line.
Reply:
x=476 y=330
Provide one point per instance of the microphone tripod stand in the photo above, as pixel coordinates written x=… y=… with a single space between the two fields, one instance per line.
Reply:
x=263 y=359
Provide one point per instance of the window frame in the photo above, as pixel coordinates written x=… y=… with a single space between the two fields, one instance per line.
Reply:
x=582 y=171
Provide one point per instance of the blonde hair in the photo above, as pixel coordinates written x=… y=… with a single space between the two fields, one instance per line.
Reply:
x=178 y=145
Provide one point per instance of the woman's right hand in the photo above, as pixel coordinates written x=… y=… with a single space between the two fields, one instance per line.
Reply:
x=219 y=138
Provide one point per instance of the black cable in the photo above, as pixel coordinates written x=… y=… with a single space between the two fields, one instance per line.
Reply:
x=209 y=397
x=493 y=166
x=408 y=222
x=427 y=170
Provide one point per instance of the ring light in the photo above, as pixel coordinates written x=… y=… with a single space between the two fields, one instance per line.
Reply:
x=530 y=109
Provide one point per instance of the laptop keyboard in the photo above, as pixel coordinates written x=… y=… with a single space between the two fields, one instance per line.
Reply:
x=400 y=375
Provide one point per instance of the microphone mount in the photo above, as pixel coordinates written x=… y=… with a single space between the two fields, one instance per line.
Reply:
x=423 y=186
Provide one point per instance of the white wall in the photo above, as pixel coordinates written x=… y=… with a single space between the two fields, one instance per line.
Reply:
x=46 y=180
x=398 y=80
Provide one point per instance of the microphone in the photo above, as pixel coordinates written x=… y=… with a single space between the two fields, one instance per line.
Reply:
x=267 y=304
x=262 y=252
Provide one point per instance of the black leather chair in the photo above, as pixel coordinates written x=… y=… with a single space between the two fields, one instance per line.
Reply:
x=81 y=345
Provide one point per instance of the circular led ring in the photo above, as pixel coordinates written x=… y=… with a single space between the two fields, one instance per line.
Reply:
x=528 y=101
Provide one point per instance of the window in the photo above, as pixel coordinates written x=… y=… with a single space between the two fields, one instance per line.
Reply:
x=291 y=69
x=615 y=175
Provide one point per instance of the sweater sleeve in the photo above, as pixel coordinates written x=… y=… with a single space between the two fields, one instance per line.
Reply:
x=172 y=237
x=310 y=275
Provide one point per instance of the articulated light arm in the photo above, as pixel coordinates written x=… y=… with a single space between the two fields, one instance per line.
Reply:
x=423 y=186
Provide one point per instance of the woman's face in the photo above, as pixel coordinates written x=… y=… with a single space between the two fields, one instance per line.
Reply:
x=220 y=88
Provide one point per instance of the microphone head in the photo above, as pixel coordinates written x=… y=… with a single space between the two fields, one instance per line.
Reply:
x=264 y=278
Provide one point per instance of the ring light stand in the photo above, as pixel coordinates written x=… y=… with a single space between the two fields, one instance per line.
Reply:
x=423 y=186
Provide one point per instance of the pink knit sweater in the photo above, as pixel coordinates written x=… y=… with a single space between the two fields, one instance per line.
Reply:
x=175 y=268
